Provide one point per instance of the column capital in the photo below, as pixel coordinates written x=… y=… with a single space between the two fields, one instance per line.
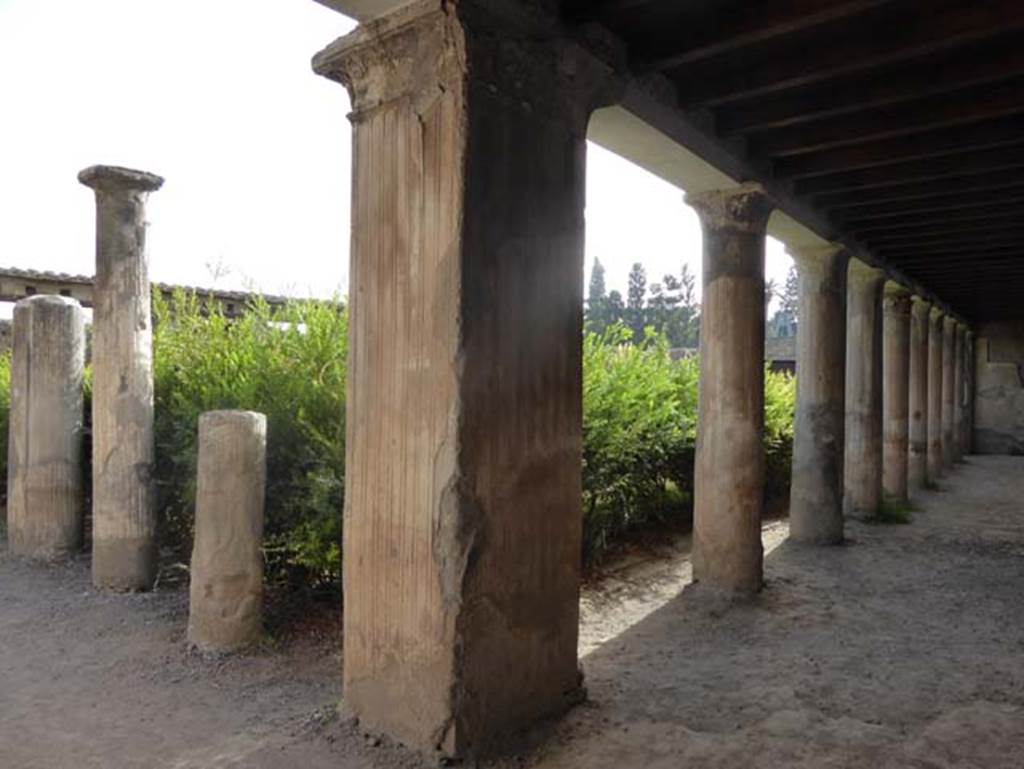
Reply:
x=745 y=207
x=896 y=298
x=427 y=49
x=920 y=307
x=936 y=315
x=949 y=324
x=863 y=275
x=118 y=179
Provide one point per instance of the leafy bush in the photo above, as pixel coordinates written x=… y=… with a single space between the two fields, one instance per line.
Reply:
x=288 y=364
x=640 y=430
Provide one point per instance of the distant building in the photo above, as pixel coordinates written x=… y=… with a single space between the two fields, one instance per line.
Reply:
x=780 y=342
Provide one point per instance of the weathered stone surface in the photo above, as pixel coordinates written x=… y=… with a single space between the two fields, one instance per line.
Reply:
x=226 y=579
x=895 y=391
x=935 y=464
x=124 y=521
x=958 y=392
x=44 y=473
x=464 y=435
x=948 y=390
x=816 y=495
x=917 y=461
x=863 y=456
x=729 y=470
x=998 y=412
x=970 y=377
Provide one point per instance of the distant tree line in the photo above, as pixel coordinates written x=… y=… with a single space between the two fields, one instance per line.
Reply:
x=669 y=307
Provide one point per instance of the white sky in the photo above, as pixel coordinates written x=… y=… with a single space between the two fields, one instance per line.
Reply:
x=218 y=97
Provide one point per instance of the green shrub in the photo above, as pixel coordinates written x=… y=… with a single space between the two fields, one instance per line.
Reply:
x=289 y=364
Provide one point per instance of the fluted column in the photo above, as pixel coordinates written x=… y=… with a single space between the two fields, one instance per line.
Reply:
x=44 y=462
x=958 y=392
x=948 y=390
x=863 y=456
x=124 y=521
x=816 y=492
x=462 y=523
x=729 y=472
x=917 y=460
x=895 y=391
x=935 y=467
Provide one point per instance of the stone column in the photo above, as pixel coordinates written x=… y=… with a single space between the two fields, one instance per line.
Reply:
x=958 y=393
x=462 y=522
x=226 y=578
x=895 y=391
x=44 y=470
x=948 y=390
x=124 y=522
x=730 y=464
x=816 y=496
x=863 y=458
x=917 y=464
x=969 y=367
x=935 y=469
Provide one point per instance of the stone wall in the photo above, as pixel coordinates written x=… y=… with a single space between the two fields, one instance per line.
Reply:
x=999 y=403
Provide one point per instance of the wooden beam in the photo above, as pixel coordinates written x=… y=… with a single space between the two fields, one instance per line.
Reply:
x=946 y=141
x=906 y=36
x=581 y=11
x=1009 y=181
x=968 y=163
x=989 y=62
x=998 y=253
x=884 y=212
x=923 y=115
x=913 y=242
x=972 y=220
x=735 y=28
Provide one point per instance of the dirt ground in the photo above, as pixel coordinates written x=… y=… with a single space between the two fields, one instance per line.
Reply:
x=904 y=648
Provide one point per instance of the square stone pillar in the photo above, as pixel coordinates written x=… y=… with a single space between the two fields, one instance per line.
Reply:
x=462 y=522
x=917 y=463
x=948 y=391
x=863 y=458
x=730 y=463
x=816 y=492
x=935 y=347
x=895 y=391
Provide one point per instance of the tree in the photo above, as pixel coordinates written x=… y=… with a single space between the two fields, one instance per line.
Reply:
x=596 y=292
x=615 y=308
x=597 y=316
x=635 y=297
x=789 y=301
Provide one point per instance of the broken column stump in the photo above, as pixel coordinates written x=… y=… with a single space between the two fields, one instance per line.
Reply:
x=44 y=486
x=226 y=593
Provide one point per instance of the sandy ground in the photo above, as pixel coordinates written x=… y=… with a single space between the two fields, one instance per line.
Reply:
x=904 y=648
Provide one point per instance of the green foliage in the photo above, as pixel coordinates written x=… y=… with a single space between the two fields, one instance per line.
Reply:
x=5 y=416
x=640 y=430
x=289 y=365
x=892 y=511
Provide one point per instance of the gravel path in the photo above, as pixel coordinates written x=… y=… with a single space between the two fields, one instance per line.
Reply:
x=904 y=648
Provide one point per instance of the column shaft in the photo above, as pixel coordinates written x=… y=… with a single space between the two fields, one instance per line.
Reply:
x=958 y=393
x=226 y=574
x=969 y=369
x=44 y=480
x=917 y=461
x=863 y=458
x=895 y=391
x=948 y=391
x=124 y=521
x=462 y=522
x=935 y=468
x=730 y=463
x=816 y=495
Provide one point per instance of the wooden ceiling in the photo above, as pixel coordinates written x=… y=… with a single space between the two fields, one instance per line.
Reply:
x=901 y=121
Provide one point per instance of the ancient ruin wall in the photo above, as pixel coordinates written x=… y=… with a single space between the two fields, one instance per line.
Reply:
x=999 y=403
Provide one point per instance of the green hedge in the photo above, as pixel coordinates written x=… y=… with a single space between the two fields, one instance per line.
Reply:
x=639 y=415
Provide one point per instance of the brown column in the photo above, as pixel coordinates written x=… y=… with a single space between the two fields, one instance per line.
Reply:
x=462 y=523
x=45 y=493
x=935 y=468
x=816 y=495
x=895 y=391
x=917 y=462
x=729 y=472
x=958 y=393
x=124 y=521
x=863 y=458
x=948 y=390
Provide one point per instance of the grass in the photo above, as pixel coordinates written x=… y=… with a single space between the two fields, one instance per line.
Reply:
x=892 y=511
